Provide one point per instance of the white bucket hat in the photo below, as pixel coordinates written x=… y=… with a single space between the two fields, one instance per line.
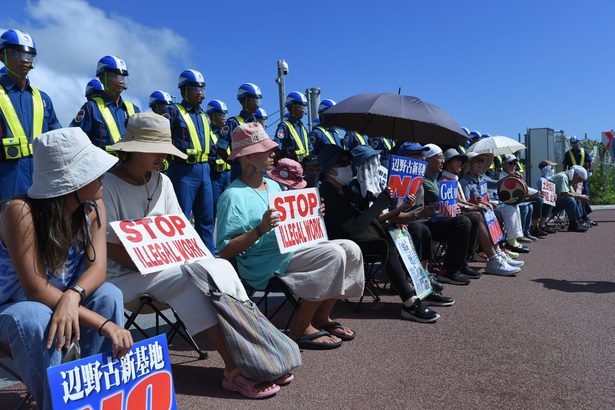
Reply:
x=64 y=161
x=150 y=133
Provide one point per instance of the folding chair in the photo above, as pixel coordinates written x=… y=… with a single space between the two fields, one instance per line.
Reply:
x=558 y=219
x=146 y=303
x=275 y=285
x=5 y=353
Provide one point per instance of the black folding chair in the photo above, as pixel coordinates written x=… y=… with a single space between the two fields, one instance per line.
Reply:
x=275 y=285
x=146 y=304
x=5 y=353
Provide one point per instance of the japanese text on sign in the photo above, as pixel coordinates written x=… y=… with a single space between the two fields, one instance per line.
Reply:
x=405 y=175
x=420 y=278
x=548 y=190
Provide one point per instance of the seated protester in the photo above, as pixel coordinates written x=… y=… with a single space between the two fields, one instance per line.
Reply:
x=473 y=177
x=318 y=274
x=350 y=216
x=455 y=231
x=531 y=209
x=547 y=170
x=135 y=189
x=497 y=264
x=53 y=262
x=568 y=199
x=289 y=174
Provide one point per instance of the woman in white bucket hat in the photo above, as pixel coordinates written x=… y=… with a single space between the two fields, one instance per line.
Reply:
x=134 y=190
x=53 y=262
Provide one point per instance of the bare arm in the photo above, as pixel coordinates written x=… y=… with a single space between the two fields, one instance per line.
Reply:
x=242 y=242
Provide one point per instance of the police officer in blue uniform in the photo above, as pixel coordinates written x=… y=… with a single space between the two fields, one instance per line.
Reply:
x=291 y=135
x=353 y=139
x=261 y=117
x=385 y=145
x=320 y=135
x=104 y=118
x=191 y=133
x=220 y=169
x=25 y=113
x=159 y=100
x=93 y=89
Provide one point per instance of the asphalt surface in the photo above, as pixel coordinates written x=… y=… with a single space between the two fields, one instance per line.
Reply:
x=542 y=340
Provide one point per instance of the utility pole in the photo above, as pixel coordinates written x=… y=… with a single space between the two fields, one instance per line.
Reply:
x=282 y=72
x=313 y=100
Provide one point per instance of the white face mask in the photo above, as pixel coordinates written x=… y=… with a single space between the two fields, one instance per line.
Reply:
x=547 y=172
x=343 y=175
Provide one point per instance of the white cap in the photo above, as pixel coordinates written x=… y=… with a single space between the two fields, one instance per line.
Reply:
x=433 y=150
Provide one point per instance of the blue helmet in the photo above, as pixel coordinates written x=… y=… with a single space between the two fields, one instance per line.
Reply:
x=216 y=106
x=93 y=86
x=160 y=97
x=486 y=135
x=248 y=89
x=324 y=104
x=19 y=40
x=111 y=64
x=191 y=77
x=295 y=98
x=475 y=134
x=261 y=114
x=3 y=70
x=574 y=139
x=467 y=131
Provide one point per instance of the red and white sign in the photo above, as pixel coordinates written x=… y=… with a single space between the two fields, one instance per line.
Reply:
x=159 y=242
x=548 y=189
x=300 y=222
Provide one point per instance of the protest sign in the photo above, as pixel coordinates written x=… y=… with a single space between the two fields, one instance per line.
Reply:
x=141 y=379
x=420 y=277
x=495 y=230
x=159 y=242
x=383 y=176
x=447 y=203
x=484 y=192
x=300 y=222
x=548 y=190
x=405 y=176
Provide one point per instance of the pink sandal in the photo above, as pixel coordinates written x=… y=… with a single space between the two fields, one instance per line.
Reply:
x=284 y=379
x=235 y=382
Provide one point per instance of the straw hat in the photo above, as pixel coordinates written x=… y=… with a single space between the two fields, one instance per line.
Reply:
x=65 y=161
x=250 y=138
x=488 y=158
x=148 y=132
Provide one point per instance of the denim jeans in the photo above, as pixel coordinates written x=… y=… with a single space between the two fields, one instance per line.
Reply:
x=526 y=210
x=572 y=207
x=24 y=326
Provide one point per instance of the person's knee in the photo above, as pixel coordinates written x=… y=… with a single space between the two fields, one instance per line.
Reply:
x=462 y=223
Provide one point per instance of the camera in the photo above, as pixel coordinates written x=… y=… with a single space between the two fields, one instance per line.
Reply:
x=282 y=67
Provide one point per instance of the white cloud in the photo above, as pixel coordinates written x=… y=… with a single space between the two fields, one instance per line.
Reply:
x=71 y=36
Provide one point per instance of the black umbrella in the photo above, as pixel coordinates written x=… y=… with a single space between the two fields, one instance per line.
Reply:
x=401 y=117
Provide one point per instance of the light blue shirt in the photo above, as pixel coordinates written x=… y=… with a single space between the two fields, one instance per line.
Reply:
x=241 y=209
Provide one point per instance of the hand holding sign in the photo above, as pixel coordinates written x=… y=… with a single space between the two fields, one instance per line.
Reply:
x=270 y=220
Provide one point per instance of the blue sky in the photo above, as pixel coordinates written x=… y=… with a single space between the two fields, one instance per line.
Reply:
x=498 y=67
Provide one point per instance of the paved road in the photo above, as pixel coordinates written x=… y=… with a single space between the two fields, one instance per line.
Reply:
x=542 y=340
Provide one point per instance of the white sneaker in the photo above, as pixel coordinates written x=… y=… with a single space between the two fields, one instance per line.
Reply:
x=510 y=260
x=497 y=266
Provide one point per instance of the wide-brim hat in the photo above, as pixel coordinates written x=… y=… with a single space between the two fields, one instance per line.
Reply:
x=471 y=155
x=545 y=163
x=250 y=138
x=148 y=132
x=362 y=153
x=65 y=161
x=288 y=172
x=452 y=153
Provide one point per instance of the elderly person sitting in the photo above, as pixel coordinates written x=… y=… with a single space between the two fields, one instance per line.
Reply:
x=319 y=274
x=568 y=199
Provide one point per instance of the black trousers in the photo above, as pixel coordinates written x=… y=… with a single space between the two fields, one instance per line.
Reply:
x=456 y=233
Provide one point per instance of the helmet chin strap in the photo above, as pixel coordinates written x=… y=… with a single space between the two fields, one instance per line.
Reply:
x=107 y=89
x=9 y=68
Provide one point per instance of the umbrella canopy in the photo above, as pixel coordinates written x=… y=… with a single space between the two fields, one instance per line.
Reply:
x=401 y=117
x=497 y=145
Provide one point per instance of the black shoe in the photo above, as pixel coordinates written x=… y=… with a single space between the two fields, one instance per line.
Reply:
x=577 y=227
x=538 y=233
x=454 y=278
x=435 y=284
x=548 y=229
x=436 y=299
x=419 y=312
x=470 y=273
x=518 y=249
x=530 y=236
x=592 y=222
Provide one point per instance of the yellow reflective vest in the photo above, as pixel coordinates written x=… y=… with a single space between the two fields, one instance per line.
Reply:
x=303 y=149
x=108 y=117
x=17 y=146
x=196 y=153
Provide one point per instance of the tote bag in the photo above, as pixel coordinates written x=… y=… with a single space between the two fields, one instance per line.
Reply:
x=260 y=350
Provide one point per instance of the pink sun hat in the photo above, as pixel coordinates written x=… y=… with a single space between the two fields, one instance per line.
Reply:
x=250 y=138
x=288 y=172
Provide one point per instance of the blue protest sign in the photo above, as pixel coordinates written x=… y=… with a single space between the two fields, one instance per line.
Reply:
x=447 y=203
x=141 y=379
x=405 y=175
x=495 y=230
x=418 y=274
x=484 y=192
